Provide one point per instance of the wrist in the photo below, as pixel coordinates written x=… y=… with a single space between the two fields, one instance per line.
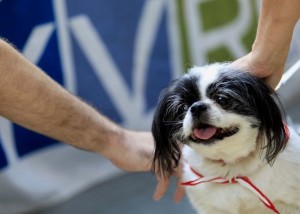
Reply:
x=110 y=144
x=130 y=150
x=104 y=136
x=274 y=32
x=91 y=131
x=271 y=46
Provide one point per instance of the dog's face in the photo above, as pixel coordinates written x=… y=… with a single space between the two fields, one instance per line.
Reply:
x=222 y=113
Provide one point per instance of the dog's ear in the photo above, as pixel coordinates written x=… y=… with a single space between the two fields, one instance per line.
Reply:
x=263 y=102
x=269 y=112
x=166 y=124
x=272 y=124
x=168 y=119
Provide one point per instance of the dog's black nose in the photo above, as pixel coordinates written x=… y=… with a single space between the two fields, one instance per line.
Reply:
x=198 y=108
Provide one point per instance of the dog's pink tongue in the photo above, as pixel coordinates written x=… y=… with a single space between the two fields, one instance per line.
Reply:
x=205 y=134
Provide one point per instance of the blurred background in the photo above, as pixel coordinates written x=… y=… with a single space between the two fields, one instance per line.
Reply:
x=116 y=55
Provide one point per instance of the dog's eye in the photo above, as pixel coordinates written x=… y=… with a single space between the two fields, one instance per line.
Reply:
x=184 y=107
x=221 y=100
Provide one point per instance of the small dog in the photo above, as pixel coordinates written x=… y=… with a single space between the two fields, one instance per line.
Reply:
x=239 y=155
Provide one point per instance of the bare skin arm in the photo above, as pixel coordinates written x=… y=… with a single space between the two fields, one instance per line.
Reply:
x=274 y=33
x=32 y=99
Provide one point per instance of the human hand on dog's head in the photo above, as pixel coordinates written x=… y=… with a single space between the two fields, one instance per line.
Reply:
x=272 y=41
x=268 y=70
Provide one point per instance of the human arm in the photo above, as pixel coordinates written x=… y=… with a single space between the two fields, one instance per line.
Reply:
x=273 y=38
x=32 y=99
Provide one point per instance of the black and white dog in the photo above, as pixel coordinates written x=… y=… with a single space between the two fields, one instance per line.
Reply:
x=239 y=155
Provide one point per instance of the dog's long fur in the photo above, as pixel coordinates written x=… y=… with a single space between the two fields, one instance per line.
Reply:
x=250 y=140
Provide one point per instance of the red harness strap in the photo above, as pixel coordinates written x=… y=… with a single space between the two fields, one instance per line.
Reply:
x=242 y=180
x=287 y=132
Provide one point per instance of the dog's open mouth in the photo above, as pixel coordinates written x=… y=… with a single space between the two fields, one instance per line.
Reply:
x=206 y=132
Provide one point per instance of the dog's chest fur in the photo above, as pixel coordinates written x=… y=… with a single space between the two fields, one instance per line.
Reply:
x=280 y=183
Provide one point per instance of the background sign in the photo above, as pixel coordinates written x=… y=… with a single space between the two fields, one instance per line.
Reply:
x=116 y=55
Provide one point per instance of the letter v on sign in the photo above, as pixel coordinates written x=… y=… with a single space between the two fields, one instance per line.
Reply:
x=130 y=105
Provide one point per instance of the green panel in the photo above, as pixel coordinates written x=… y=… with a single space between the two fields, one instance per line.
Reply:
x=219 y=54
x=215 y=13
x=249 y=37
x=185 y=51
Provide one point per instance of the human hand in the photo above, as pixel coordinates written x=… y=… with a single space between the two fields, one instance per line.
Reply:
x=131 y=151
x=274 y=33
x=269 y=71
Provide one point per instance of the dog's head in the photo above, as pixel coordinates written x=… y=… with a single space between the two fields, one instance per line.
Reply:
x=221 y=112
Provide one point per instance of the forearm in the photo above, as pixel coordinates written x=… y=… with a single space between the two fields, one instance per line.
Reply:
x=274 y=33
x=32 y=99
